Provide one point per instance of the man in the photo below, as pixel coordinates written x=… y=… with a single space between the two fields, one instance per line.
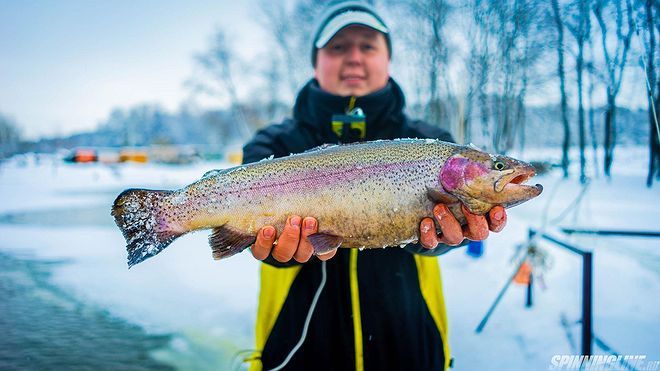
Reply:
x=378 y=309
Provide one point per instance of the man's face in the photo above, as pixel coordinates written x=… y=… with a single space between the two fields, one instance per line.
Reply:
x=355 y=62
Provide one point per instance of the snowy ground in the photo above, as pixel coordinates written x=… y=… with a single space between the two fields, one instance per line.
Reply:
x=56 y=211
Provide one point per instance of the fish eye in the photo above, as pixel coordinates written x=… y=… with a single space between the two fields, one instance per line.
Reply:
x=499 y=165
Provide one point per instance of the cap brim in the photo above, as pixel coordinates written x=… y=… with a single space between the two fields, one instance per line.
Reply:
x=352 y=17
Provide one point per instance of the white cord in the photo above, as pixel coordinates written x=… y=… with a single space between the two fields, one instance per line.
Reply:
x=307 y=320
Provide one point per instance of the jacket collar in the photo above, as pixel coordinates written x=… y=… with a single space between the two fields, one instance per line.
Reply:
x=383 y=109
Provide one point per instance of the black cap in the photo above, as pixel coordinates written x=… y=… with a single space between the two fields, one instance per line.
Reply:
x=341 y=14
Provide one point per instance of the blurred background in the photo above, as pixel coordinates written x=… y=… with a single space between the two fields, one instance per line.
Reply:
x=96 y=97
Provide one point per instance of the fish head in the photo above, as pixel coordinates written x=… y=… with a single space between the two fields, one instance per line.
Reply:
x=481 y=180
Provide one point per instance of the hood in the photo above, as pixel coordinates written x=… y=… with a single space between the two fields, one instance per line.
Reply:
x=383 y=110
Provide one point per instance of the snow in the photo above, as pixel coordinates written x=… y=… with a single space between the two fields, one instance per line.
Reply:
x=210 y=305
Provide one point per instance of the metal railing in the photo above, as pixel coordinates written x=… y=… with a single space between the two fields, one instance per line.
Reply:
x=587 y=288
x=588 y=338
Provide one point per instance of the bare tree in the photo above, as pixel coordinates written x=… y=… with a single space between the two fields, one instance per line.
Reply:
x=590 y=102
x=434 y=13
x=580 y=27
x=273 y=82
x=561 y=73
x=614 y=66
x=481 y=65
x=218 y=63
x=653 y=88
x=290 y=26
x=427 y=44
x=520 y=39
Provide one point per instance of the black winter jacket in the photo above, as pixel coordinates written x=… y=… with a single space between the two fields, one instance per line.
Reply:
x=396 y=330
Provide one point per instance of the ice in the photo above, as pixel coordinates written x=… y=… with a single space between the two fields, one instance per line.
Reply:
x=209 y=304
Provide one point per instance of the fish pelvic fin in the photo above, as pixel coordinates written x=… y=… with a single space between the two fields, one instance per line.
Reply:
x=324 y=242
x=226 y=241
x=138 y=215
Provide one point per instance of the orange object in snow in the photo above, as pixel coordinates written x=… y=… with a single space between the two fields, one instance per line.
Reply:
x=84 y=155
x=523 y=274
x=133 y=156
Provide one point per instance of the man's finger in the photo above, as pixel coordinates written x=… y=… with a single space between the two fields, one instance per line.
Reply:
x=496 y=219
x=477 y=227
x=452 y=233
x=264 y=243
x=427 y=235
x=305 y=249
x=287 y=243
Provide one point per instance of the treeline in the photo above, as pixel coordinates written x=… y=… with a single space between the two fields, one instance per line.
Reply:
x=9 y=136
x=474 y=66
x=148 y=124
x=211 y=131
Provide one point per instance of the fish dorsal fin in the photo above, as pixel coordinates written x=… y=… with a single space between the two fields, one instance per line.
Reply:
x=229 y=170
x=226 y=241
x=324 y=242
x=213 y=172
x=474 y=147
x=321 y=147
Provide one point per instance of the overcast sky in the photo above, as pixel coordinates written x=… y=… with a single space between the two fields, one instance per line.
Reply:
x=65 y=64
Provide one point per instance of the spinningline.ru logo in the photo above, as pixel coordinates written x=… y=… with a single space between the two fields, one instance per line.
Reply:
x=602 y=362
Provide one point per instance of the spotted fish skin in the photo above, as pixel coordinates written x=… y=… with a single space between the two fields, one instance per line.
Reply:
x=369 y=195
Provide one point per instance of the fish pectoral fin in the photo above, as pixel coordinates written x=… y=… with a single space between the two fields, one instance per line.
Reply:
x=439 y=195
x=226 y=241
x=324 y=242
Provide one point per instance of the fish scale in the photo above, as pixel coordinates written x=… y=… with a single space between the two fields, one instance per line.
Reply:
x=371 y=194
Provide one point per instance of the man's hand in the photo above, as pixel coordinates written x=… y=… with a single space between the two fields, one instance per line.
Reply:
x=292 y=242
x=452 y=233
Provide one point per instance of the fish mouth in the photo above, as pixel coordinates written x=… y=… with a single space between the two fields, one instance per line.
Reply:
x=516 y=179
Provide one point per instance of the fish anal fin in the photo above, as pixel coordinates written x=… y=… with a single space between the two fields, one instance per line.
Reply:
x=226 y=241
x=324 y=242
x=439 y=195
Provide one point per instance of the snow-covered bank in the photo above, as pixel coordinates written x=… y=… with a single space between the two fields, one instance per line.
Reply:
x=209 y=306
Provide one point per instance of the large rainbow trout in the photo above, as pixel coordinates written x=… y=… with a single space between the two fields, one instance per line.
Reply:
x=365 y=195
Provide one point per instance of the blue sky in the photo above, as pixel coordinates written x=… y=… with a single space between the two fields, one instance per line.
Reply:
x=65 y=64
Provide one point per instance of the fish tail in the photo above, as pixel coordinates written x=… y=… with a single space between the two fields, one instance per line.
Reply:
x=139 y=214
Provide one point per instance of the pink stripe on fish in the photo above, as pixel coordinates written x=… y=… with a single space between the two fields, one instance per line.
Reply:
x=316 y=178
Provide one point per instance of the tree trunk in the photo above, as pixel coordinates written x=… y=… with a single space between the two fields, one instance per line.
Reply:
x=562 y=88
x=580 y=70
x=592 y=126
x=614 y=65
x=484 y=104
x=610 y=132
x=653 y=98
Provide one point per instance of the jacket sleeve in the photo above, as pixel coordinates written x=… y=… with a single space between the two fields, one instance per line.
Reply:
x=417 y=248
x=421 y=129
x=265 y=143
x=268 y=142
